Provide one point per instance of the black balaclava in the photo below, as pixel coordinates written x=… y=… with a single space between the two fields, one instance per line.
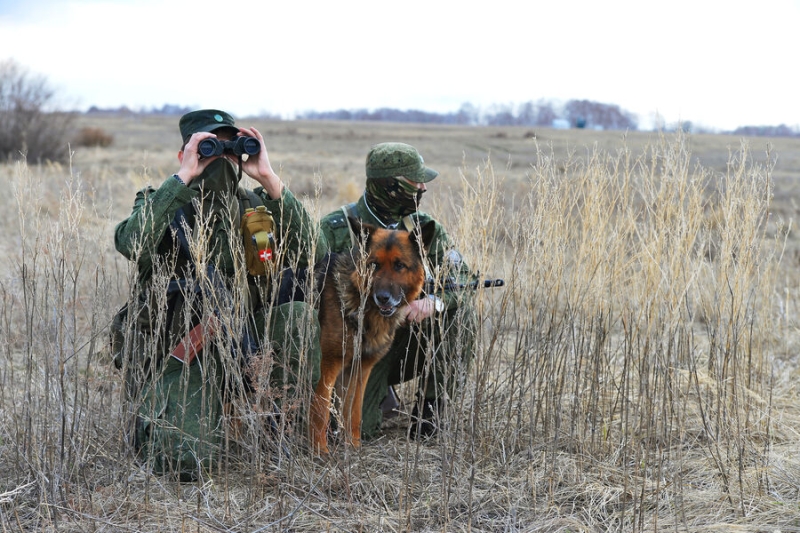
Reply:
x=392 y=199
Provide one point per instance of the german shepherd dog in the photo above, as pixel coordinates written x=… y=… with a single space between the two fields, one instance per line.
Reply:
x=361 y=303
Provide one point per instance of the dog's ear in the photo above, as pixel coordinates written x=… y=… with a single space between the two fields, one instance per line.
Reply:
x=361 y=229
x=424 y=237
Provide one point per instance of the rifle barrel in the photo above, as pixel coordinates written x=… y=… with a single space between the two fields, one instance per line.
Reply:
x=473 y=285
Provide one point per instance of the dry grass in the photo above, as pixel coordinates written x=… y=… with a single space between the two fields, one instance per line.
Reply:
x=637 y=373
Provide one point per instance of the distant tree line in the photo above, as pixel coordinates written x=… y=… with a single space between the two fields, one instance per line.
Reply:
x=542 y=113
x=575 y=114
x=387 y=114
x=166 y=109
x=767 y=131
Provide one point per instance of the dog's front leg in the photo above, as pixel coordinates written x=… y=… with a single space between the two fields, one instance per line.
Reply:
x=354 y=400
x=320 y=411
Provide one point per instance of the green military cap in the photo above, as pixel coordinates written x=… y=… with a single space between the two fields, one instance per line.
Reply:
x=389 y=160
x=205 y=120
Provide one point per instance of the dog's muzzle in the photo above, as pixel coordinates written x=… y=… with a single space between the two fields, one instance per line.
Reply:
x=387 y=304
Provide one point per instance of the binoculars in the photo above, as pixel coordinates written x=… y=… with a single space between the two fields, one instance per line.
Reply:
x=239 y=146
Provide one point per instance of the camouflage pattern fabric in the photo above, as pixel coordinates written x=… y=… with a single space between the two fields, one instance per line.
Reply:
x=392 y=199
x=177 y=407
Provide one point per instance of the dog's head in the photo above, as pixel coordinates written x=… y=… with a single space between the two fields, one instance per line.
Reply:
x=392 y=263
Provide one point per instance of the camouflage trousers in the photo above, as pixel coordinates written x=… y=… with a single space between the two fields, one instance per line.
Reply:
x=179 y=424
x=437 y=352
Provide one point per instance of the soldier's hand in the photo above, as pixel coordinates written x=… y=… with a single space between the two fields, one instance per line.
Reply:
x=191 y=164
x=419 y=310
x=259 y=168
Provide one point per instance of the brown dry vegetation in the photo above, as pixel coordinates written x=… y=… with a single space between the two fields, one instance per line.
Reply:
x=637 y=373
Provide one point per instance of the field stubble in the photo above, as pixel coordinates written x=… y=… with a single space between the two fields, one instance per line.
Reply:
x=637 y=372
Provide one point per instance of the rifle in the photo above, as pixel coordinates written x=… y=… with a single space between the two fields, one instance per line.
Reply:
x=431 y=286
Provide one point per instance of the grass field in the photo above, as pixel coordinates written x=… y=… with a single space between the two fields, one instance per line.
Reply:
x=638 y=372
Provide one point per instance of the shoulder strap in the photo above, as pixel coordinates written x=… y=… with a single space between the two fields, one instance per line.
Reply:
x=247 y=199
x=347 y=210
x=244 y=200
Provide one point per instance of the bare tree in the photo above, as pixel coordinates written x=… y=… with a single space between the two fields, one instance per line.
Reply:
x=586 y=113
x=539 y=113
x=30 y=125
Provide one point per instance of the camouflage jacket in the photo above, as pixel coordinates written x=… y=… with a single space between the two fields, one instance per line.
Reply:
x=145 y=234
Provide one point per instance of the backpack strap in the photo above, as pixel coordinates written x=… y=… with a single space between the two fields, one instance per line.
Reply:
x=177 y=226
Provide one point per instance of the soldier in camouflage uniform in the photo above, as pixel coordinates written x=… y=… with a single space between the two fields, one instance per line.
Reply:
x=437 y=343
x=185 y=234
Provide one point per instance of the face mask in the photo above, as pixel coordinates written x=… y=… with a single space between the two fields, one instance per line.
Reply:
x=217 y=186
x=219 y=178
x=392 y=199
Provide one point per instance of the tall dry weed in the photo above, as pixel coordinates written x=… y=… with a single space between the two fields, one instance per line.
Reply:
x=623 y=378
x=634 y=334
x=54 y=313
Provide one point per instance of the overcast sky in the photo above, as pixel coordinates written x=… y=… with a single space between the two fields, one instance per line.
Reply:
x=719 y=64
